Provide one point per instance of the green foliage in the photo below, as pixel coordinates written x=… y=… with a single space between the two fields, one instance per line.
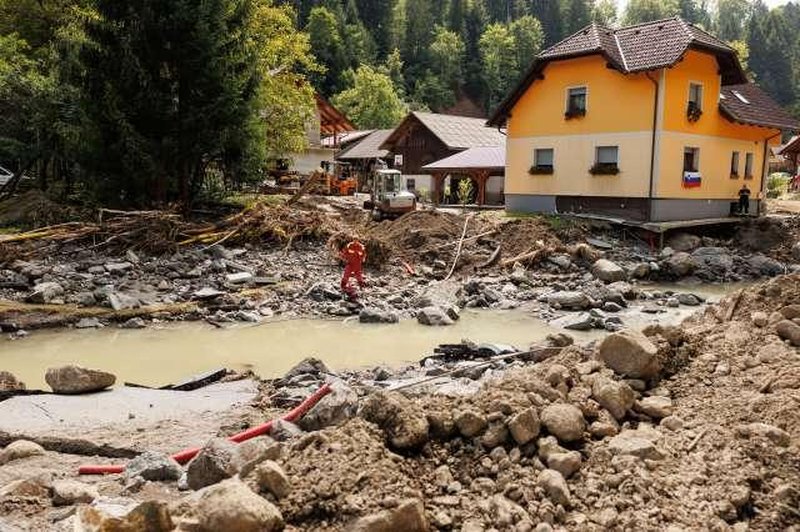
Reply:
x=372 y=102
x=639 y=11
x=777 y=184
x=447 y=56
x=577 y=15
x=731 y=19
x=465 y=191
x=528 y=41
x=498 y=53
x=326 y=41
x=605 y=13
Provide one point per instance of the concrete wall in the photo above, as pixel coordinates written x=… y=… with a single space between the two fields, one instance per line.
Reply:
x=306 y=163
x=668 y=210
x=530 y=203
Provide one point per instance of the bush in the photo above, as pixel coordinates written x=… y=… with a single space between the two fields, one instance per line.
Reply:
x=777 y=184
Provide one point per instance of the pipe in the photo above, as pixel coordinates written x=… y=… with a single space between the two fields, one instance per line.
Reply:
x=762 y=198
x=187 y=454
x=653 y=146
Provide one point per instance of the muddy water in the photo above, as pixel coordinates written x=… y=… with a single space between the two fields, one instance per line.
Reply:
x=155 y=357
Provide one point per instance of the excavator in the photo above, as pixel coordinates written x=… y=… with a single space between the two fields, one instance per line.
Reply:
x=388 y=198
x=337 y=179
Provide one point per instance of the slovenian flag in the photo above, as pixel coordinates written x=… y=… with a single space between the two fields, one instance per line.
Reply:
x=691 y=180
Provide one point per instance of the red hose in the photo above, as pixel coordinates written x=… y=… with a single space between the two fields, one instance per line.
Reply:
x=187 y=454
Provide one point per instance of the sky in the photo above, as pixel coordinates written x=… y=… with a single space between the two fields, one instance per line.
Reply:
x=770 y=3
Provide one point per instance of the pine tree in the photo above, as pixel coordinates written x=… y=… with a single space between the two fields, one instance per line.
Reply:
x=549 y=14
x=528 y=41
x=376 y=16
x=327 y=44
x=731 y=18
x=605 y=13
x=418 y=37
x=577 y=15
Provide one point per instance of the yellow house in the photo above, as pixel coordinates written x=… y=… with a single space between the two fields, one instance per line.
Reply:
x=654 y=122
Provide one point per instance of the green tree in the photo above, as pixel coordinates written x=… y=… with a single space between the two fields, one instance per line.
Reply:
x=377 y=16
x=172 y=90
x=605 y=13
x=548 y=12
x=771 y=65
x=744 y=55
x=418 y=37
x=447 y=57
x=731 y=19
x=577 y=14
x=328 y=47
x=498 y=55
x=528 y=40
x=639 y=11
x=431 y=92
x=393 y=67
x=372 y=102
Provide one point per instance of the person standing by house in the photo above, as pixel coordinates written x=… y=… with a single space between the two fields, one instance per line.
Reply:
x=744 y=200
x=353 y=254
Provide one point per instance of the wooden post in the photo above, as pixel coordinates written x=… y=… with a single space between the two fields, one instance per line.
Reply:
x=438 y=181
x=481 y=176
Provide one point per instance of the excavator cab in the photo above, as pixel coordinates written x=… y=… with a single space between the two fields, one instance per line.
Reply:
x=388 y=195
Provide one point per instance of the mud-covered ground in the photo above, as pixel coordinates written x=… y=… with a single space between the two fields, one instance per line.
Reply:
x=694 y=427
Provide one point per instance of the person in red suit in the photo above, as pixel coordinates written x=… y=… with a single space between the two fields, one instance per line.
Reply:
x=353 y=254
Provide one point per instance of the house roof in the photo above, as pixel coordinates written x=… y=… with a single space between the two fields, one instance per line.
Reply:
x=748 y=104
x=639 y=48
x=368 y=148
x=331 y=120
x=344 y=139
x=455 y=132
x=791 y=147
x=479 y=158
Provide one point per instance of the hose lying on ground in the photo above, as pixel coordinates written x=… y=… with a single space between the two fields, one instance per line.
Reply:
x=187 y=454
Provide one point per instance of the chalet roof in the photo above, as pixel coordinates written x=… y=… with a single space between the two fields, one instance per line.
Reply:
x=367 y=148
x=455 y=132
x=479 y=158
x=331 y=120
x=345 y=139
x=791 y=147
x=639 y=48
x=748 y=104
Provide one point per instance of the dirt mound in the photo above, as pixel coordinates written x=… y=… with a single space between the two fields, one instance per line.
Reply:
x=35 y=209
x=771 y=235
x=527 y=234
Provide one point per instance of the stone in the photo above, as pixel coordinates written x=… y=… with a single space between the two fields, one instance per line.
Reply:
x=283 y=430
x=766 y=266
x=574 y=322
x=442 y=476
x=250 y=453
x=760 y=319
x=554 y=486
x=335 y=408
x=453 y=313
x=133 y=323
x=560 y=340
x=790 y=312
x=567 y=463
x=789 y=330
x=239 y=277
x=433 y=317
x=470 y=423
x=120 y=301
x=323 y=291
x=71 y=380
x=118 y=267
x=569 y=300
x=564 y=421
x=408 y=516
x=608 y=271
x=20 y=449
x=10 y=383
x=640 y=270
x=496 y=434
x=373 y=315
x=680 y=264
x=715 y=259
x=207 y=293
x=684 y=242
x=610 y=306
x=655 y=406
x=271 y=478
x=37 y=486
x=524 y=426
x=796 y=252
x=776 y=435
x=402 y=420
x=67 y=492
x=673 y=423
x=631 y=354
x=88 y=323
x=153 y=466
x=307 y=366
x=690 y=300
x=212 y=464
x=232 y=506
x=150 y=516
x=630 y=443
x=616 y=397
x=45 y=293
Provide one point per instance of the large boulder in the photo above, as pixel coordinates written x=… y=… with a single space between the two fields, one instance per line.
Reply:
x=631 y=354
x=680 y=264
x=608 y=271
x=569 y=300
x=408 y=516
x=46 y=293
x=152 y=516
x=789 y=330
x=75 y=379
x=231 y=505
x=20 y=449
x=554 y=486
x=564 y=421
x=582 y=321
x=374 y=315
x=335 y=408
x=763 y=265
x=714 y=259
x=272 y=479
x=67 y=492
x=153 y=466
x=215 y=462
x=616 y=397
x=434 y=317
x=9 y=383
x=684 y=242
x=524 y=426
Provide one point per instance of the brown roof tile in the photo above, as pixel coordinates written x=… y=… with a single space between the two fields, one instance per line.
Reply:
x=748 y=104
x=455 y=132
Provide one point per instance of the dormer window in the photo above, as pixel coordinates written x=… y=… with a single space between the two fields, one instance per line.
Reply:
x=694 y=109
x=576 y=102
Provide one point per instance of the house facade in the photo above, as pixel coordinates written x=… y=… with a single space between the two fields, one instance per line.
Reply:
x=655 y=122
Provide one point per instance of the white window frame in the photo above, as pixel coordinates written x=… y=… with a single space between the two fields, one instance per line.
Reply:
x=735 y=155
x=536 y=158
x=585 y=98
x=749 y=163
x=702 y=94
x=696 y=160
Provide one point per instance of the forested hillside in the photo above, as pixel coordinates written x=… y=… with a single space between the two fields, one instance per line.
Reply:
x=436 y=51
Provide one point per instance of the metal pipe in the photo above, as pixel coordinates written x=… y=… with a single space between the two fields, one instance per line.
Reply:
x=653 y=145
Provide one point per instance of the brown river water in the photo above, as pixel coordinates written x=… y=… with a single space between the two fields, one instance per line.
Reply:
x=163 y=355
